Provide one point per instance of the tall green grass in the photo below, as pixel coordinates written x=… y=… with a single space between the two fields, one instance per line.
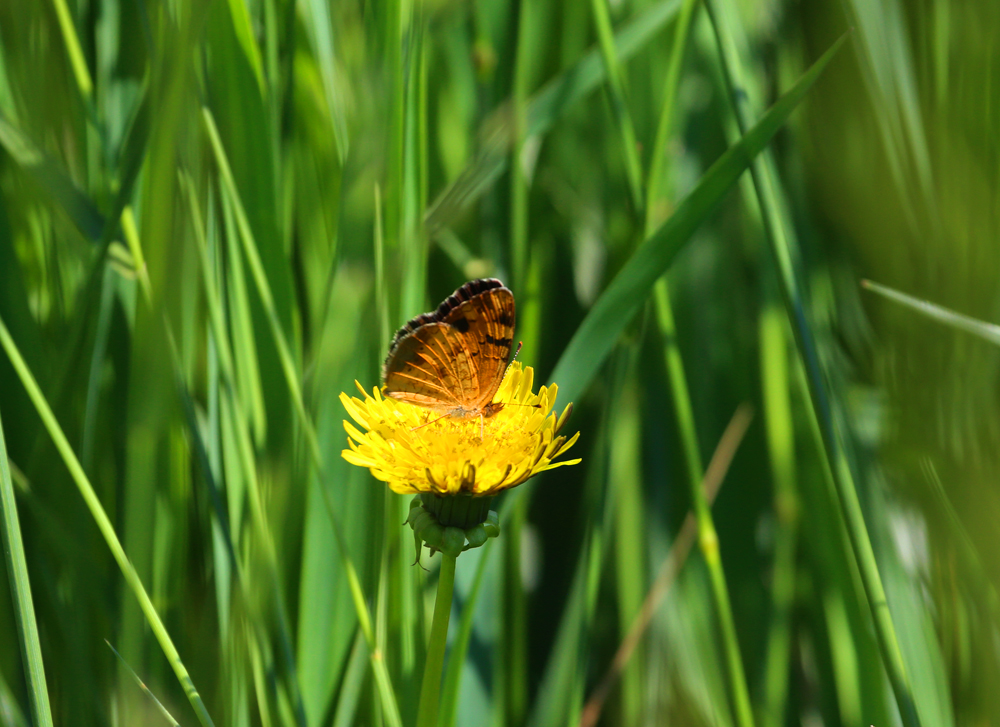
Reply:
x=215 y=214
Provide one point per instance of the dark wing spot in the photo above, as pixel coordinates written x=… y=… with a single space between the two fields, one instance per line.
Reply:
x=462 y=324
x=502 y=342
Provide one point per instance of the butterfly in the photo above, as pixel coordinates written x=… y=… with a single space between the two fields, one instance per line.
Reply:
x=453 y=359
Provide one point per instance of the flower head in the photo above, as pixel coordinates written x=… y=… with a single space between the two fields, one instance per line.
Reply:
x=415 y=450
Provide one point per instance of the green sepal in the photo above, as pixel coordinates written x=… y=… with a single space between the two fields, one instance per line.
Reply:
x=448 y=539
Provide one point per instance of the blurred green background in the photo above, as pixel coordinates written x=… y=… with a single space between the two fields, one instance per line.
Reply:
x=215 y=214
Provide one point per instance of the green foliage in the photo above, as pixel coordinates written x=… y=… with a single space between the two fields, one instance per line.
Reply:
x=212 y=216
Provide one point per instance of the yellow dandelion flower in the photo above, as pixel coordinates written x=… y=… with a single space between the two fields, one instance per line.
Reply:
x=406 y=448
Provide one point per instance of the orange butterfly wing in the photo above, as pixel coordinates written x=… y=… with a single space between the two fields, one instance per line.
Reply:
x=454 y=359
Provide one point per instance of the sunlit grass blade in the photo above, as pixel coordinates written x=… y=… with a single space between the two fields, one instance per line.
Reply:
x=20 y=590
x=780 y=433
x=10 y=710
x=668 y=113
x=890 y=72
x=72 y=42
x=133 y=155
x=243 y=27
x=104 y=524
x=950 y=318
x=519 y=133
x=319 y=30
x=545 y=107
x=614 y=309
x=628 y=537
x=53 y=180
x=142 y=685
x=263 y=287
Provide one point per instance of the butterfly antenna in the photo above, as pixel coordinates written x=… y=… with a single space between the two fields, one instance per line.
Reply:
x=421 y=426
x=513 y=358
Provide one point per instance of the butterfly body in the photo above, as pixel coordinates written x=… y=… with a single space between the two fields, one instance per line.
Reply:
x=453 y=359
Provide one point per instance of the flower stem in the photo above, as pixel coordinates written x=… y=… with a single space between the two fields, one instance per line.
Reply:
x=427 y=712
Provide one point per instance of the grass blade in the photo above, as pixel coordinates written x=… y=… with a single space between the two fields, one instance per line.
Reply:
x=243 y=27
x=780 y=433
x=73 y=50
x=263 y=287
x=142 y=685
x=20 y=590
x=614 y=309
x=104 y=524
x=950 y=318
x=619 y=101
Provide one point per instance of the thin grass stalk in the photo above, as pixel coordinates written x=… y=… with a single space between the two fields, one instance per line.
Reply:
x=103 y=523
x=511 y=695
x=430 y=690
x=413 y=248
x=96 y=364
x=629 y=538
x=350 y=690
x=413 y=253
x=619 y=101
x=20 y=591
x=395 y=148
x=779 y=428
x=259 y=682
x=263 y=288
x=145 y=690
x=561 y=687
x=681 y=396
x=76 y=60
x=665 y=127
x=763 y=176
x=382 y=595
x=674 y=363
x=518 y=179
x=381 y=292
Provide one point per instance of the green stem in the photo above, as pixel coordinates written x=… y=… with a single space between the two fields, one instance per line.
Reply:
x=619 y=103
x=73 y=50
x=780 y=432
x=518 y=179
x=427 y=713
x=20 y=590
